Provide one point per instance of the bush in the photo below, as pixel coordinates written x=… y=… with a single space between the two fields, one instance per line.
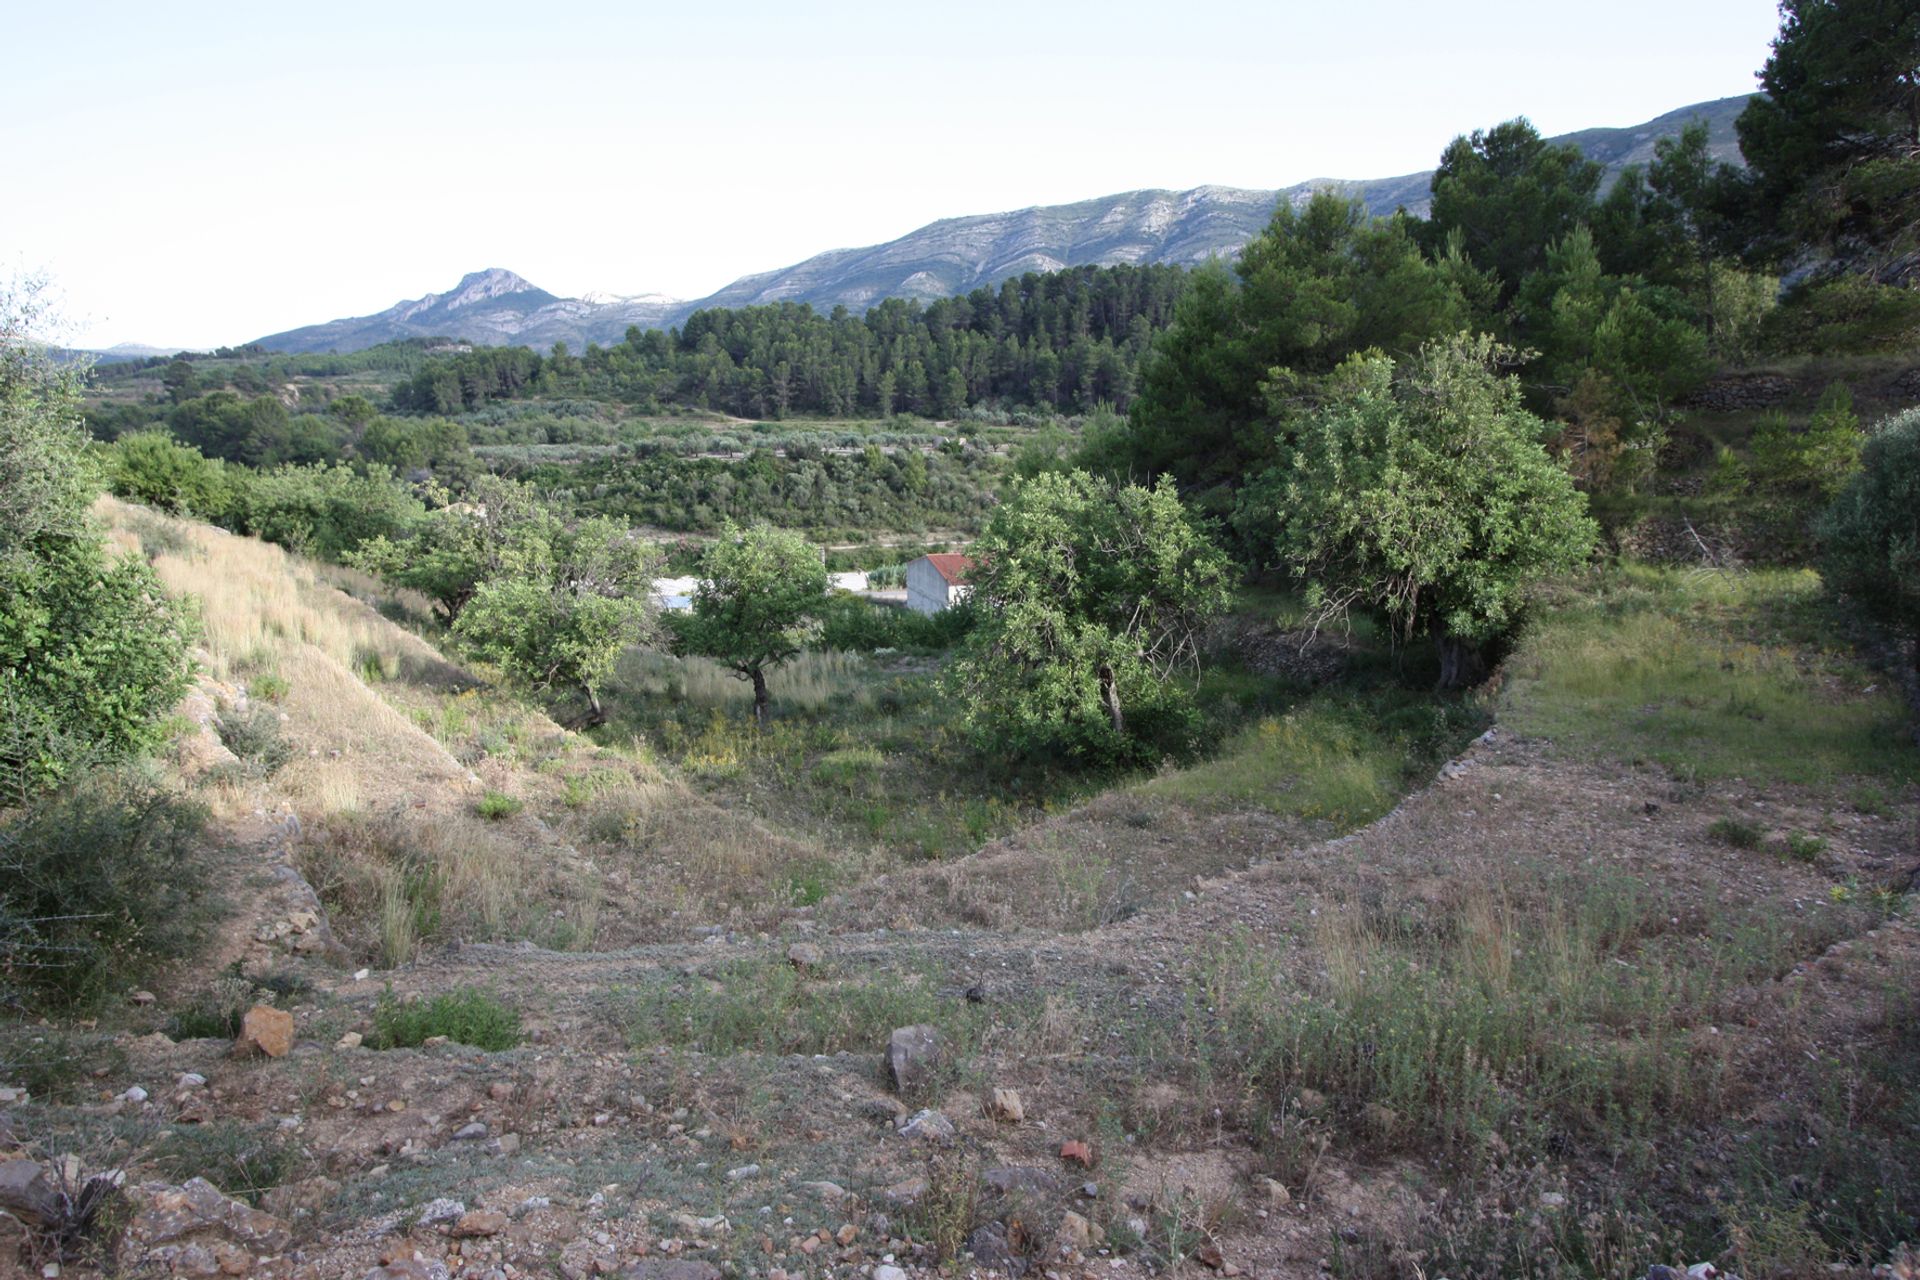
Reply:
x=1870 y=536
x=158 y=470
x=467 y=1016
x=1737 y=832
x=1842 y=316
x=254 y=736
x=495 y=806
x=98 y=882
x=860 y=626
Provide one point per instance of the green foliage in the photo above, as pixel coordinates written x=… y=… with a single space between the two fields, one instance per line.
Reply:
x=259 y=432
x=1426 y=499
x=1832 y=141
x=566 y=602
x=92 y=655
x=456 y=546
x=495 y=806
x=1506 y=194
x=759 y=601
x=325 y=511
x=1320 y=283
x=1813 y=462
x=1068 y=339
x=468 y=1015
x=1870 y=536
x=99 y=882
x=1841 y=316
x=152 y=467
x=1090 y=597
x=861 y=626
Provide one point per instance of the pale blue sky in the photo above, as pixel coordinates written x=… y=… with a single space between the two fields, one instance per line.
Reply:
x=200 y=174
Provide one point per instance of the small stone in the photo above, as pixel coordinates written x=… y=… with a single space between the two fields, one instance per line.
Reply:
x=507 y=1144
x=742 y=1173
x=499 y=1091
x=846 y=1235
x=142 y=997
x=1278 y=1197
x=470 y=1132
x=888 y=1273
x=440 y=1210
x=1008 y=1107
x=351 y=1040
x=1552 y=1200
x=360 y=975
x=804 y=956
x=1077 y=1152
x=190 y=1080
x=135 y=1094
x=905 y=1194
x=397 y=1104
x=928 y=1126
x=267 y=1030
x=479 y=1222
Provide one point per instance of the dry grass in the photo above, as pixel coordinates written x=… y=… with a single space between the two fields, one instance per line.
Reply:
x=395 y=746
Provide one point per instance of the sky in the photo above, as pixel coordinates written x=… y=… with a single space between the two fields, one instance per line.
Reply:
x=204 y=174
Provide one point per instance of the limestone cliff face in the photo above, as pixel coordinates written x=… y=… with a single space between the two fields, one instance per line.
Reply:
x=951 y=256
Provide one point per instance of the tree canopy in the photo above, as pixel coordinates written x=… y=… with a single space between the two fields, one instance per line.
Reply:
x=759 y=602
x=1090 y=597
x=1419 y=490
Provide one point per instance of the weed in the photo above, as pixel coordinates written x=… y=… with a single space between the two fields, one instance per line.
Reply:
x=495 y=806
x=1805 y=847
x=244 y=1161
x=467 y=1016
x=1738 y=832
x=255 y=736
x=268 y=688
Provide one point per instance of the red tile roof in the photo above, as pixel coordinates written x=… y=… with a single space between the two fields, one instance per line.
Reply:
x=951 y=567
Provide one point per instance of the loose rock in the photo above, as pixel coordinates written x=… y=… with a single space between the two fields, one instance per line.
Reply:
x=267 y=1030
x=912 y=1053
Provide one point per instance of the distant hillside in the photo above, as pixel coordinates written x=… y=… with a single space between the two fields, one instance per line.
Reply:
x=951 y=256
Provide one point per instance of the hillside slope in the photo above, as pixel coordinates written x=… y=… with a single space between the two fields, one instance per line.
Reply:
x=951 y=256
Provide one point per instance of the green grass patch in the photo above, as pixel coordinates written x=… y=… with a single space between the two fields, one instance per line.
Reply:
x=769 y=1007
x=467 y=1016
x=1343 y=758
x=1710 y=675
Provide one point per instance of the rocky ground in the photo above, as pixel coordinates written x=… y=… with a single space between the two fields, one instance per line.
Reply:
x=1020 y=1130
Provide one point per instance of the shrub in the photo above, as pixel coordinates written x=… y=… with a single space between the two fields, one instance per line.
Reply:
x=1737 y=832
x=1870 y=536
x=467 y=1016
x=495 y=806
x=1805 y=846
x=254 y=735
x=860 y=626
x=243 y=1161
x=155 y=469
x=97 y=883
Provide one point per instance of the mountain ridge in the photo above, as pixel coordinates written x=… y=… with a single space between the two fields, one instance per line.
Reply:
x=946 y=257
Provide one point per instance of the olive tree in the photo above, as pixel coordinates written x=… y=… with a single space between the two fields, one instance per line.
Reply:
x=758 y=604
x=1421 y=491
x=1870 y=536
x=1090 y=597
x=565 y=603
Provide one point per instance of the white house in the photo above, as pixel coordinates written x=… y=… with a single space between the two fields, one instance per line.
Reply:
x=937 y=582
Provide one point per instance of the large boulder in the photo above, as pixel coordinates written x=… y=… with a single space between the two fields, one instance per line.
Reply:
x=912 y=1054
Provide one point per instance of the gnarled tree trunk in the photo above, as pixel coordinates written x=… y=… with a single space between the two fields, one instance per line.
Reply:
x=761 y=700
x=1110 y=698
x=1462 y=662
